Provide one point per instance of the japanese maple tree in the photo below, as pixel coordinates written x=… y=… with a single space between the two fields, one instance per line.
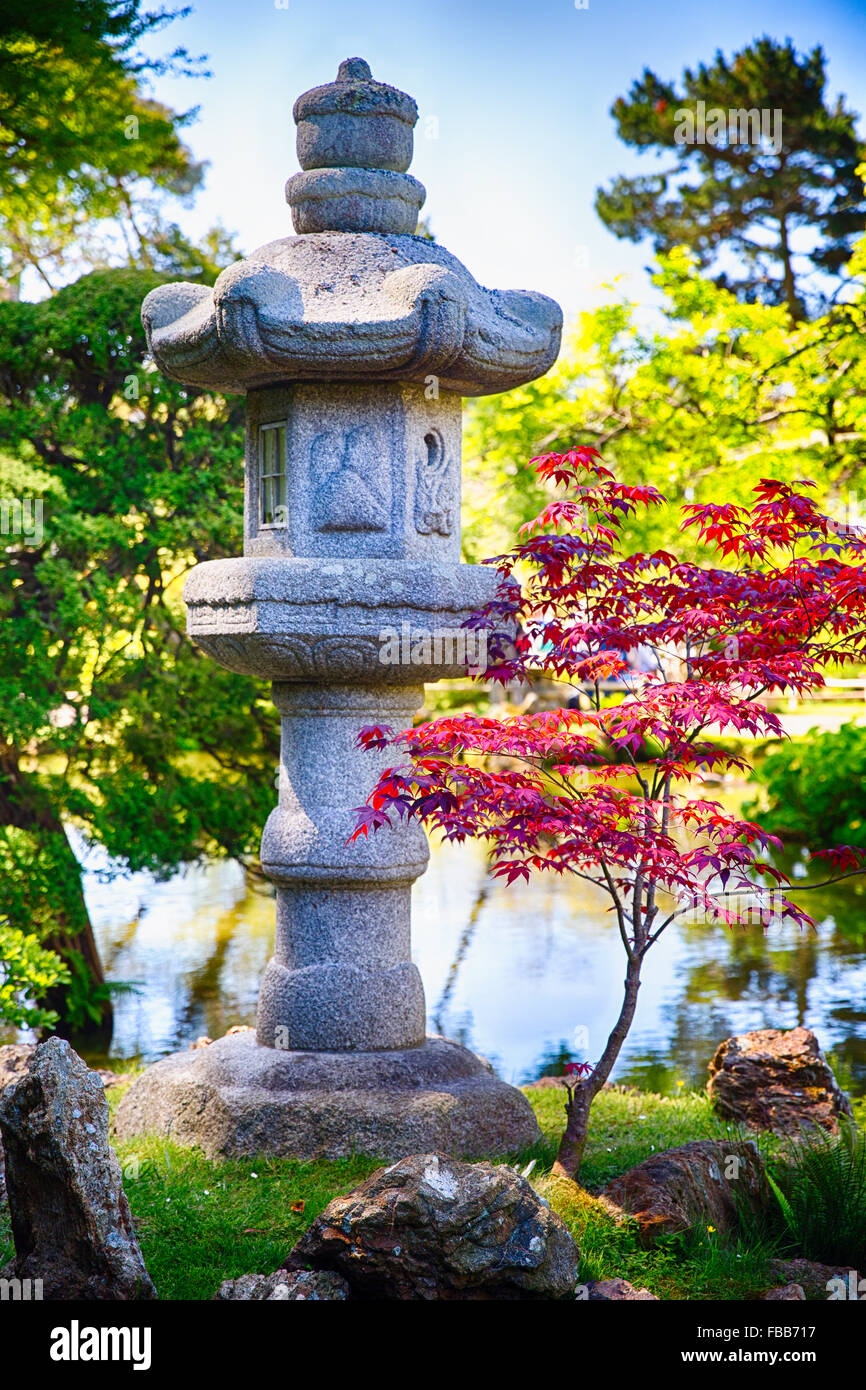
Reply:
x=612 y=793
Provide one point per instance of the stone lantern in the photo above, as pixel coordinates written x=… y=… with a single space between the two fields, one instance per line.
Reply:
x=354 y=342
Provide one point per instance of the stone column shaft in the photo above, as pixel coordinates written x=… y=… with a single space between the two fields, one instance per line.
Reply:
x=341 y=976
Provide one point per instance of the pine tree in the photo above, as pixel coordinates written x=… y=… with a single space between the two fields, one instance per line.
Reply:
x=764 y=187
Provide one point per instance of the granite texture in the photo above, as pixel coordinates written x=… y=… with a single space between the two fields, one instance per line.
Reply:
x=355 y=122
x=341 y=1005
x=355 y=200
x=353 y=306
x=309 y=621
x=371 y=471
x=342 y=975
x=303 y=1286
x=236 y=1097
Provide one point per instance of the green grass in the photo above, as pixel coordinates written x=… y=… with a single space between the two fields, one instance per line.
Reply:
x=200 y=1222
x=627 y=1127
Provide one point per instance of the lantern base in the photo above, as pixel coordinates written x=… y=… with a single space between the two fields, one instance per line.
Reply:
x=236 y=1098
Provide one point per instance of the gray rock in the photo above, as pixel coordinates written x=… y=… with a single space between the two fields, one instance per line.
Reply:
x=817 y=1280
x=14 y=1061
x=287 y=1286
x=787 y=1293
x=238 y=1098
x=71 y=1222
x=430 y=1227
x=291 y=620
x=617 y=1291
x=356 y=306
x=355 y=200
x=355 y=123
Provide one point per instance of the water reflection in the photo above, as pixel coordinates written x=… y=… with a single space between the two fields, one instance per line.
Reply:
x=516 y=973
x=196 y=947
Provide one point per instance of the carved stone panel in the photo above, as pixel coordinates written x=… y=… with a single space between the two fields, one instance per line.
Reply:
x=434 y=488
x=371 y=472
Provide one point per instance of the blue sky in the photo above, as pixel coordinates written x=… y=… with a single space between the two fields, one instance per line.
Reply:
x=520 y=94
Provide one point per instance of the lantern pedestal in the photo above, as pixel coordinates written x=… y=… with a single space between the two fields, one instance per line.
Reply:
x=236 y=1098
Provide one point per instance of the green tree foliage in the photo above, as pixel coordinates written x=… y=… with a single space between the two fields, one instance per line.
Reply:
x=764 y=215
x=111 y=720
x=86 y=154
x=814 y=789
x=27 y=973
x=721 y=394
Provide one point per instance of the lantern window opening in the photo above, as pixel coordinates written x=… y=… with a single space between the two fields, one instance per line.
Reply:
x=272 y=476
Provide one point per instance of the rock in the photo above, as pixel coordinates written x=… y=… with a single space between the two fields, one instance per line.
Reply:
x=617 y=1291
x=355 y=123
x=812 y=1277
x=776 y=1079
x=14 y=1059
x=430 y=1227
x=71 y=1222
x=698 y=1183
x=313 y=1286
x=112 y=1078
x=788 y=1293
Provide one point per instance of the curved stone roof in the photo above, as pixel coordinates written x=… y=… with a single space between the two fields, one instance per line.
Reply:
x=351 y=306
x=355 y=296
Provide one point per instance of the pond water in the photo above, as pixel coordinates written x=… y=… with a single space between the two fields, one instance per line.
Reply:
x=527 y=975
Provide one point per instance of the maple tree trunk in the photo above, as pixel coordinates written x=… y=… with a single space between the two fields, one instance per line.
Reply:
x=573 y=1142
